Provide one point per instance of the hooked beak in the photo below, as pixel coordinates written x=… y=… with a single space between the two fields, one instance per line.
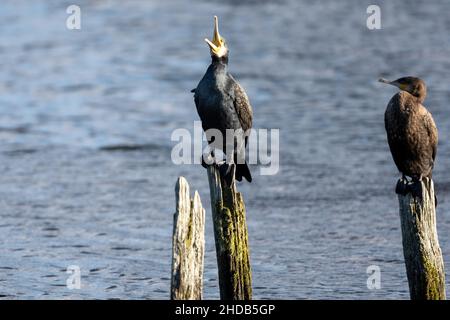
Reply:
x=393 y=83
x=216 y=43
x=383 y=80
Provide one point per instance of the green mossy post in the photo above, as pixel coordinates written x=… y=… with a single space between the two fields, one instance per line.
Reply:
x=188 y=245
x=231 y=237
x=423 y=256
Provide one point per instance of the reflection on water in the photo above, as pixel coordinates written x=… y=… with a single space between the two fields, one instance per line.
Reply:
x=85 y=124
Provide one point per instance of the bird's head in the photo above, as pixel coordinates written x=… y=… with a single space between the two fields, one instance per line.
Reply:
x=218 y=46
x=413 y=85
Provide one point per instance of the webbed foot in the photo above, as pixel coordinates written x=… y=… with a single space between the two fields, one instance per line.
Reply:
x=203 y=162
x=416 y=189
x=226 y=173
x=402 y=186
x=210 y=160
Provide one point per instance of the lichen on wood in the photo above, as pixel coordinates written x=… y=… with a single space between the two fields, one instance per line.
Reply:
x=423 y=256
x=231 y=237
x=188 y=245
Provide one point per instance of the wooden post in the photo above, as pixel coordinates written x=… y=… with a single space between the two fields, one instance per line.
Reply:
x=188 y=244
x=231 y=237
x=423 y=256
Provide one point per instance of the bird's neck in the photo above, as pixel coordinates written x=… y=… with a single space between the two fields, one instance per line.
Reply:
x=410 y=101
x=421 y=98
x=220 y=64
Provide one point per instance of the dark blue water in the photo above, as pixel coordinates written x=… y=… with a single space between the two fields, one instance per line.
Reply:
x=70 y=194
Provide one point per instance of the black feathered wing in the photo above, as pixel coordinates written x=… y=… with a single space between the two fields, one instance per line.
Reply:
x=242 y=105
x=244 y=112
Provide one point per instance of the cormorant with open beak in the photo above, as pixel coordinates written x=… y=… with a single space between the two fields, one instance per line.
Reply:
x=223 y=104
x=411 y=132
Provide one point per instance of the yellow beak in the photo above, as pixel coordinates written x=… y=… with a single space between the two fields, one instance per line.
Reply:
x=216 y=42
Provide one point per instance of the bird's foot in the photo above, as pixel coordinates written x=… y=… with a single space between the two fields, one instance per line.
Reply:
x=226 y=172
x=415 y=188
x=402 y=186
x=209 y=161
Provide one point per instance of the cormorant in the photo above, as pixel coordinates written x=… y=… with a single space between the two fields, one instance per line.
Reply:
x=411 y=132
x=223 y=104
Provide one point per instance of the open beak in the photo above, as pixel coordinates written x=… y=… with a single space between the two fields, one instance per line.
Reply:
x=216 y=42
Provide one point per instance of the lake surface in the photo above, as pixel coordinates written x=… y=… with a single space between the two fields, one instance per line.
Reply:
x=86 y=118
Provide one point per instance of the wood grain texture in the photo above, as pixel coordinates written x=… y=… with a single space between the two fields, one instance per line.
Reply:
x=188 y=245
x=423 y=256
x=231 y=238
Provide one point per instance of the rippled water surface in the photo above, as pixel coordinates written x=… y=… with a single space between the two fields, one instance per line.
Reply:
x=86 y=118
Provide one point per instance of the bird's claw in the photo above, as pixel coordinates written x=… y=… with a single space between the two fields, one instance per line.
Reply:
x=210 y=161
x=226 y=172
x=402 y=187
x=415 y=188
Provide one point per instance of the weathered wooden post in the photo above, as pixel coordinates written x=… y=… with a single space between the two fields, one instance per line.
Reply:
x=423 y=256
x=188 y=244
x=231 y=237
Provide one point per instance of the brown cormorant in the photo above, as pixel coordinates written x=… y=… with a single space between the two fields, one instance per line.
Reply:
x=223 y=104
x=411 y=132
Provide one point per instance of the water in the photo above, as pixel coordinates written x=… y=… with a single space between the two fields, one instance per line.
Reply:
x=85 y=124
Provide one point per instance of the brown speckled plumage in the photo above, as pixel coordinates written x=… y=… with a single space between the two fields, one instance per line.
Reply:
x=411 y=132
x=242 y=106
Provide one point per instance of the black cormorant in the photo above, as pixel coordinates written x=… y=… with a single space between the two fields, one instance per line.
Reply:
x=411 y=132
x=223 y=104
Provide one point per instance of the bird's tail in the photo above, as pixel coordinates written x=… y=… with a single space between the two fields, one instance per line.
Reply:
x=242 y=170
